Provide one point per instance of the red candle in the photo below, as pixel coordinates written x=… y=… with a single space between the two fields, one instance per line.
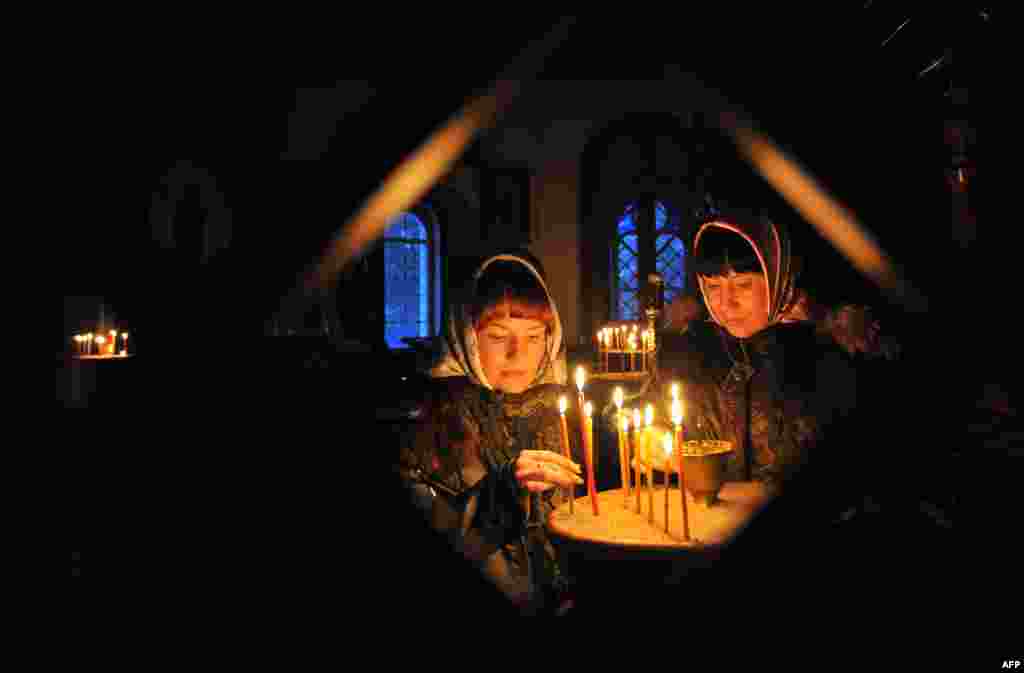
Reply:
x=588 y=454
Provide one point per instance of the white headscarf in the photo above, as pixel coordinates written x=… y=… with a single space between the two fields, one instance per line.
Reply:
x=460 y=355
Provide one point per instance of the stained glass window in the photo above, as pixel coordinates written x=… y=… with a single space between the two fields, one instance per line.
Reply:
x=669 y=259
x=627 y=267
x=407 y=280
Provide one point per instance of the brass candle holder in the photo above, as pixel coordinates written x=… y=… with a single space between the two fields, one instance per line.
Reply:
x=704 y=462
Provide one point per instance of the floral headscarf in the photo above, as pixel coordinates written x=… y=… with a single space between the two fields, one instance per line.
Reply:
x=460 y=354
x=773 y=247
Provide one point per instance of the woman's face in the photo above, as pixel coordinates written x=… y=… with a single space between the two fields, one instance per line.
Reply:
x=739 y=301
x=511 y=351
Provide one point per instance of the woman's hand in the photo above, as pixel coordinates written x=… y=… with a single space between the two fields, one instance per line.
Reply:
x=539 y=471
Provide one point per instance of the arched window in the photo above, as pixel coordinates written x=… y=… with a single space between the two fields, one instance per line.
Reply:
x=670 y=258
x=641 y=245
x=627 y=266
x=410 y=280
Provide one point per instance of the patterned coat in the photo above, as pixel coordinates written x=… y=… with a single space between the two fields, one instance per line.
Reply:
x=777 y=409
x=464 y=448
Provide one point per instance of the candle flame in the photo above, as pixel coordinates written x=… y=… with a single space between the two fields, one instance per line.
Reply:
x=113 y=332
x=588 y=408
x=580 y=377
x=625 y=422
x=666 y=441
x=677 y=411
x=675 y=391
x=618 y=398
x=101 y=340
x=649 y=415
x=562 y=405
x=636 y=418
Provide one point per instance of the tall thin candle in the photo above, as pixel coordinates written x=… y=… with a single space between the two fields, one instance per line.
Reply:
x=562 y=405
x=623 y=474
x=677 y=420
x=635 y=462
x=667 y=445
x=649 y=457
x=588 y=454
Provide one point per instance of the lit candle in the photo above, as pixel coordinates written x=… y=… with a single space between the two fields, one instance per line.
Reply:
x=562 y=405
x=88 y=343
x=78 y=343
x=603 y=341
x=635 y=462
x=124 y=343
x=113 y=341
x=581 y=379
x=677 y=421
x=667 y=444
x=588 y=454
x=643 y=353
x=649 y=458
x=100 y=340
x=623 y=428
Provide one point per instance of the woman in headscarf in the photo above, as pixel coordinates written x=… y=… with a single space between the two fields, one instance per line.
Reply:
x=486 y=457
x=758 y=372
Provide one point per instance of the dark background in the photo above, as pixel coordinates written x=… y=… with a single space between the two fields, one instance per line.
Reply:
x=258 y=469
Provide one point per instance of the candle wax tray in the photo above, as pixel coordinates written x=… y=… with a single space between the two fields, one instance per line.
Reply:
x=622 y=526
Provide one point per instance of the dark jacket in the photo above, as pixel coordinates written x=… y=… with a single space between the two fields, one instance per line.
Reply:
x=460 y=459
x=774 y=395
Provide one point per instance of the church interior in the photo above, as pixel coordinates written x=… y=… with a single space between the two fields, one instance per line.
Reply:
x=242 y=340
